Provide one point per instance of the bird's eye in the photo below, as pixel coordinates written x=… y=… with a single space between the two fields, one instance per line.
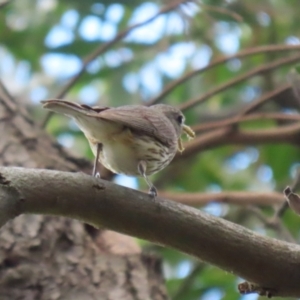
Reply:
x=180 y=119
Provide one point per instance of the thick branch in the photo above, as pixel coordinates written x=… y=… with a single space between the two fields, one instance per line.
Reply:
x=268 y=262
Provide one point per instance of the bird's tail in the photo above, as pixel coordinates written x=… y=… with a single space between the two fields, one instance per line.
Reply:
x=87 y=118
x=68 y=108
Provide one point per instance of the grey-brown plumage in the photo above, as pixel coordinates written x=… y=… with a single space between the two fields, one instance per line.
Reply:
x=132 y=139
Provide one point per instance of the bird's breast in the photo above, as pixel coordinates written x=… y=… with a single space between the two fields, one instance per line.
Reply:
x=122 y=152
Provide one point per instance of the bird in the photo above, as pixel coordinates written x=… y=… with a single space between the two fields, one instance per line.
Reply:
x=134 y=140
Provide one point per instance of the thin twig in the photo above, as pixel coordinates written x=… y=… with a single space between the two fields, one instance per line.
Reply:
x=239 y=198
x=237 y=119
x=188 y=281
x=218 y=61
x=222 y=10
x=273 y=224
x=102 y=48
x=282 y=209
x=259 y=70
x=263 y=99
x=294 y=79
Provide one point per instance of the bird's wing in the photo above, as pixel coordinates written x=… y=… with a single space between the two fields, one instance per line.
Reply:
x=143 y=120
x=139 y=118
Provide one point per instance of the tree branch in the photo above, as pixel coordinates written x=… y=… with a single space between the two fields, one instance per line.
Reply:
x=243 y=115
x=188 y=281
x=222 y=10
x=264 y=98
x=239 y=119
x=240 y=198
x=265 y=261
x=218 y=61
x=256 y=71
x=294 y=186
x=272 y=223
x=226 y=136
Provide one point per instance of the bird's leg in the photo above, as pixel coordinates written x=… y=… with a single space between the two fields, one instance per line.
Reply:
x=142 y=166
x=95 y=173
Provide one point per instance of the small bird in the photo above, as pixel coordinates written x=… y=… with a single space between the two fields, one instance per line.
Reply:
x=133 y=140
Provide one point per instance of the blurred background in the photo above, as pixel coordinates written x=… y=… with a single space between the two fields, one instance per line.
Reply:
x=167 y=52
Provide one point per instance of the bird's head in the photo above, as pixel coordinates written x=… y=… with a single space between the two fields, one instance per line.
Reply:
x=177 y=119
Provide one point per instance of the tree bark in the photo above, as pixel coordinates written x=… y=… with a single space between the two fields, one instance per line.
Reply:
x=55 y=258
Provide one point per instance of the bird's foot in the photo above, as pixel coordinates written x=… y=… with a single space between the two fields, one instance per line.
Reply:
x=153 y=192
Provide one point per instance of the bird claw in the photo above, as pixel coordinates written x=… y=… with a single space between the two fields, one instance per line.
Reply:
x=153 y=192
x=248 y=288
x=98 y=175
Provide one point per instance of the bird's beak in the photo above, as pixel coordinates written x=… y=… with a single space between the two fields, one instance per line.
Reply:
x=190 y=134
x=180 y=146
x=188 y=131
